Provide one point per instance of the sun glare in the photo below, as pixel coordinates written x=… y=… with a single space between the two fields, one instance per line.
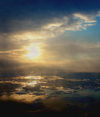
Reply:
x=33 y=52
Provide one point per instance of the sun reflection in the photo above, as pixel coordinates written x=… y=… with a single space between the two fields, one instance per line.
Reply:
x=33 y=77
x=33 y=83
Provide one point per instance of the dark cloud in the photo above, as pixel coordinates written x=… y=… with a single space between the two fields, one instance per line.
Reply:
x=15 y=12
x=7 y=44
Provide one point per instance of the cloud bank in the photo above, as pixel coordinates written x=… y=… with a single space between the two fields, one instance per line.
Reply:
x=25 y=25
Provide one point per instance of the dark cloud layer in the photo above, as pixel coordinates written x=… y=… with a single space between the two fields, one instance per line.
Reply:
x=14 y=11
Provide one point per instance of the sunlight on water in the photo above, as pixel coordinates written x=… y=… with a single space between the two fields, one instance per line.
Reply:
x=33 y=77
x=30 y=88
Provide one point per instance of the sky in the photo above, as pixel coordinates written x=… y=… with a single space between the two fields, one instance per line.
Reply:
x=50 y=35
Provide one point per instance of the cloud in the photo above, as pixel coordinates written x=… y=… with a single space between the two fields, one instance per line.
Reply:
x=86 y=18
x=24 y=32
x=74 y=22
x=49 y=27
x=21 y=33
x=72 y=56
x=66 y=48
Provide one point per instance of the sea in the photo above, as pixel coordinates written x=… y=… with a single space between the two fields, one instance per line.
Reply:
x=61 y=95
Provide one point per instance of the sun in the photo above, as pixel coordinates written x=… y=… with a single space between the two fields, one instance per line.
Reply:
x=33 y=52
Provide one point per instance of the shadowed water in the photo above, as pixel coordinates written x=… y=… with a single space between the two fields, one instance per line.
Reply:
x=64 y=94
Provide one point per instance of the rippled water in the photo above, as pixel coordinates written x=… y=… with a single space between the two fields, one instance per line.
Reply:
x=73 y=94
x=72 y=87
